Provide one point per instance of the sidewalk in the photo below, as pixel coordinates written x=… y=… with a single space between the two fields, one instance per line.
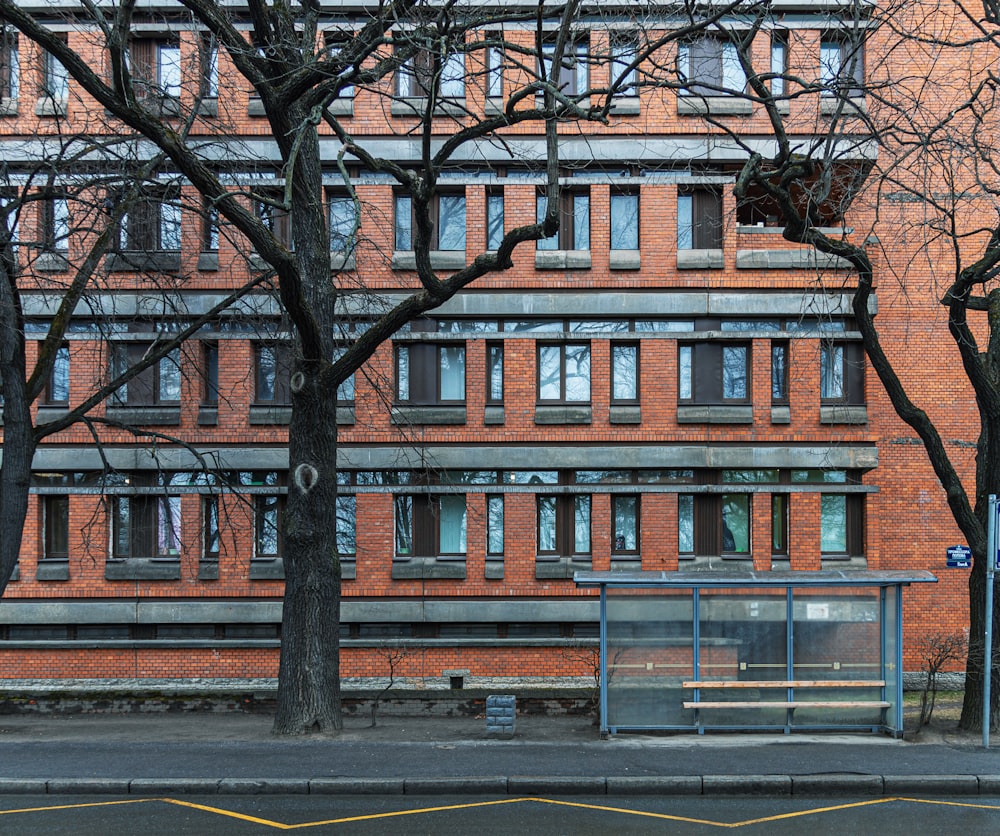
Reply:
x=231 y=753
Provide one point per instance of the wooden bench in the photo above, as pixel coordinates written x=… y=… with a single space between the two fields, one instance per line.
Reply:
x=789 y=705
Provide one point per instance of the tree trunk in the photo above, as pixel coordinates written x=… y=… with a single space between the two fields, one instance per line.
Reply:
x=18 y=448
x=309 y=676
x=972 y=704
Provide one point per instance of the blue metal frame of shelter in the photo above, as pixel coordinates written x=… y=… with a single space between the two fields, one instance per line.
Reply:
x=890 y=652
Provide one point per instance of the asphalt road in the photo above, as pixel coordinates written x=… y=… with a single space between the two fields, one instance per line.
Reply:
x=461 y=815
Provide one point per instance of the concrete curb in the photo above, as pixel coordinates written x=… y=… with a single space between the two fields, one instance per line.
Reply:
x=524 y=785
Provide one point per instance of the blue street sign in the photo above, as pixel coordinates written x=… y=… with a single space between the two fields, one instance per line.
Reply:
x=959 y=557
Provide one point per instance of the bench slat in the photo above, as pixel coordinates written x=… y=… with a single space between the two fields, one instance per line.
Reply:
x=795 y=704
x=796 y=683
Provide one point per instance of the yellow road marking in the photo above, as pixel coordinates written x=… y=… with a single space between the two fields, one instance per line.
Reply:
x=474 y=804
x=346 y=819
x=78 y=806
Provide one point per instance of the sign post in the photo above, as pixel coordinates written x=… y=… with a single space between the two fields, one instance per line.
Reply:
x=991 y=567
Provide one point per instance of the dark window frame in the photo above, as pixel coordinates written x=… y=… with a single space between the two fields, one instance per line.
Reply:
x=425 y=523
x=570 y=234
x=564 y=522
x=707 y=384
x=55 y=526
x=405 y=235
x=10 y=63
x=706 y=66
x=279 y=393
x=631 y=194
x=704 y=226
x=145 y=389
x=779 y=371
x=494 y=372
x=541 y=346
x=708 y=535
x=618 y=538
x=58 y=379
x=636 y=369
x=424 y=374
x=852 y=372
x=850 y=76
x=144 y=227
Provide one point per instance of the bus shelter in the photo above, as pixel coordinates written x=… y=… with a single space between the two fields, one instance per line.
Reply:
x=751 y=651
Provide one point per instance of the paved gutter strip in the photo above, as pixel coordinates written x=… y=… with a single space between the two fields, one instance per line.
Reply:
x=556 y=785
x=525 y=785
x=931 y=784
x=174 y=786
x=445 y=786
x=264 y=786
x=654 y=785
x=356 y=786
x=88 y=786
x=837 y=784
x=746 y=785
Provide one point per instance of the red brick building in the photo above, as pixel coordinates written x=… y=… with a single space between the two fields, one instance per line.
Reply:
x=665 y=384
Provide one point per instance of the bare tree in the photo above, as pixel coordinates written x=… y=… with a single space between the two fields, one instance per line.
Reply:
x=300 y=63
x=892 y=130
x=937 y=651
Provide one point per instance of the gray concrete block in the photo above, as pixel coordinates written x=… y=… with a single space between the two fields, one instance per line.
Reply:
x=654 y=784
x=988 y=785
x=22 y=786
x=356 y=786
x=174 y=786
x=488 y=785
x=931 y=784
x=263 y=786
x=87 y=786
x=837 y=785
x=747 y=785
x=556 y=785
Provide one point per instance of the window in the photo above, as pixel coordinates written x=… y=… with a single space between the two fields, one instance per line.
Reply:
x=624 y=220
x=208 y=66
x=345 y=391
x=447 y=215
x=779 y=372
x=625 y=521
x=699 y=220
x=714 y=373
x=494 y=373
x=55 y=514
x=146 y=525
x=343 y=223
x=273 y=364
x=10 y=66
x=153 y=223
x=55 y=79
x=210 y=522
x=842 y=373
x=209 y=227
x=624 y=372
x=842 y=525
x=571 y=78
x=842 y=66
x=494 y=72
x=779 y=524
x=335 y=43
x=779 y=62
x=57 y=388
x=156 y=68
x=55 y=224
x=417 y=77
x=427 y=373
x=711 y=66
x=427 y=526
x=494 y=219
x=714 y=524
x=574 y=221
x=494 y=524
x=347 y=510
x=623 y=53
x=158 y=384
x=269 y=536
x=271 y=212
x=564 y=372
x=564 y=525
x=210 y=372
